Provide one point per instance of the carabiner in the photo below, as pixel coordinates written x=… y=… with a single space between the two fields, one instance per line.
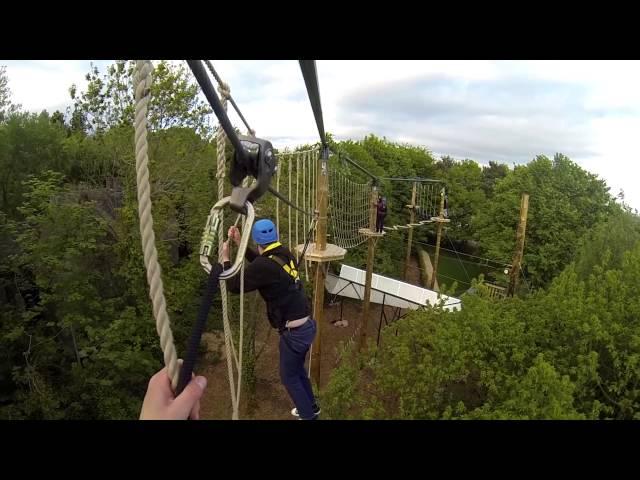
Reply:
x=211 y=231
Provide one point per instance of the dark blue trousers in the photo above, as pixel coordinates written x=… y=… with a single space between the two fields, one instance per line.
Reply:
x=294 y=345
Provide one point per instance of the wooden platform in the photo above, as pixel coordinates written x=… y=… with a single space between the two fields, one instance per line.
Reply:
x=440 y=220
x=332 y=252
x=367 y=232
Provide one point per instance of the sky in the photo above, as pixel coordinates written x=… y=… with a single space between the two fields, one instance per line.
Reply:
x=507 y=111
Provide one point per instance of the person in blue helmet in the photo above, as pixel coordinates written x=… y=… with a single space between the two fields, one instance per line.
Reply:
x=272 y=270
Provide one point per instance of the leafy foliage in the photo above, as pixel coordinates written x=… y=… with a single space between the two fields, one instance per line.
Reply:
x=570 y=352
x=77 y=337
x=565 y=202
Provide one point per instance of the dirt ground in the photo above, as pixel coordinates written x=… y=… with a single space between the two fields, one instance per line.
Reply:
x=272 y=401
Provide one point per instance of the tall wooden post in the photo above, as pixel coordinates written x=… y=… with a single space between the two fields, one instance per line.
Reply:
x=410 y=237
x=373 y=208
x=371 y=241
x=440 y=220
x=320 y=245
x=517 y=256
x=322 y=195
x=320 y=252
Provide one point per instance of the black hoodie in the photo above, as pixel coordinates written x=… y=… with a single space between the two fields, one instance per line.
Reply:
x=276 y=286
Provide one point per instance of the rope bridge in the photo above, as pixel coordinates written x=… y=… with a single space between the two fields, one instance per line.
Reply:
x=348 y=209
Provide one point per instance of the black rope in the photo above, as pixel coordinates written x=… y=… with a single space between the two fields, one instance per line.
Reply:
x=196 y=333
x=459 y=260
x=233 y=102
x=288 y=202
x=413 y=179
x=210 y=92
x=525 y=279
x=355 y=164
x=310 y=75
x=306 y=243
x=486 y=260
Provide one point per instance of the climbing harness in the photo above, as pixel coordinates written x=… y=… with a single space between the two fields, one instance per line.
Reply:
x=216 y=273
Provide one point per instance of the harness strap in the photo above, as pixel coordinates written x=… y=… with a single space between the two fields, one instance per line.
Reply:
x=290 y=268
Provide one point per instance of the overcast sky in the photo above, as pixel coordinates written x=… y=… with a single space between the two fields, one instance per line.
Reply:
x=507 y=111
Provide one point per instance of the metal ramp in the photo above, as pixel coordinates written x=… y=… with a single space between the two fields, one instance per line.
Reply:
x=387 y=292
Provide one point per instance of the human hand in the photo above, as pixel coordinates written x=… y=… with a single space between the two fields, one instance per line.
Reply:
x=161 y=404
x=234 y=234
x=225 y=251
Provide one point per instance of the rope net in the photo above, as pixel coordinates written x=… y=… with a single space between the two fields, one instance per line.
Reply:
x=427 y=200
x=348 y=209
x=296 y=179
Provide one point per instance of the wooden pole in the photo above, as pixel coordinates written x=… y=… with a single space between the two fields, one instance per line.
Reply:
x=440 y=221
x=517 y=256
x=410 y=237
x=373 y=208
x=322 y=194
x=318 y=312
x=371 y=241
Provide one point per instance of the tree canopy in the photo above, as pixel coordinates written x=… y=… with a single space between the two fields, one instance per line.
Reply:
x=77 y=336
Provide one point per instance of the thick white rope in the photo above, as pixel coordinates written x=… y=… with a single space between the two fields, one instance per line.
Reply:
x=231 y=354
x=154 y=278
x=305 y=203
x=289 y=206
x=304 y=191
x=245 y=184
x=310 y=205
x=297 y=203
x=278 y=200
x=240 y=340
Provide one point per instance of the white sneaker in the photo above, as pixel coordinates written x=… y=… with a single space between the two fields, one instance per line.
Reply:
x=295 y=413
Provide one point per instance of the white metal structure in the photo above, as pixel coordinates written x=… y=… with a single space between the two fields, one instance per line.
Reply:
x=387 y=291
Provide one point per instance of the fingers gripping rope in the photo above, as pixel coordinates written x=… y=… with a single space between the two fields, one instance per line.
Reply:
x=142 y=84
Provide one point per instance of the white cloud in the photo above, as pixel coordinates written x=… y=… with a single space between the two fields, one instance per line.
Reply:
x=618 y=161
x=596 y=114
x=44 y=84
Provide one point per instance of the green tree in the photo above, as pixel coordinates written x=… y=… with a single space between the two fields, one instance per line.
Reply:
x=565 y=202
x=465 y=189
x=7 y=107
x=108 y=100
x=491 y=174
x=569 y=352
x=28 y=143
x=78 y=350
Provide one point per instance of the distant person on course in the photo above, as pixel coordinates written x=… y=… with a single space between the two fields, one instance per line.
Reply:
x=381 y=213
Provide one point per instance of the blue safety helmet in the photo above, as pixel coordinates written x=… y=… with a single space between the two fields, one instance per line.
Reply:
x=264 y=232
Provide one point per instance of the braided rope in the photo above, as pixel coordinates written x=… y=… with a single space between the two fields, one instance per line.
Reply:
x=305 y=159
x=289 y=206
x=228 y=341
x=142 y=84
x=278 y=200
